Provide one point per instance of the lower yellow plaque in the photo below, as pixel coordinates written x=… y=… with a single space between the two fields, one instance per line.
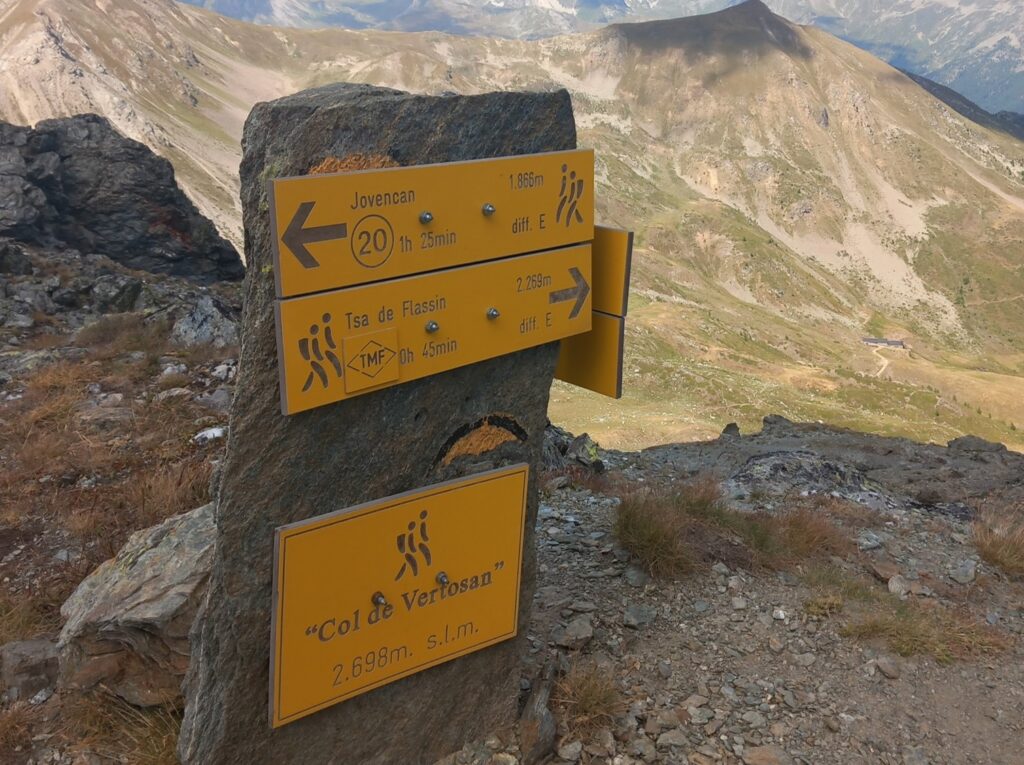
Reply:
x=374 y=593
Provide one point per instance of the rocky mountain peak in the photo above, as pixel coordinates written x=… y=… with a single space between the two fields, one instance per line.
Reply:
x=750 y=27
x=77 y=183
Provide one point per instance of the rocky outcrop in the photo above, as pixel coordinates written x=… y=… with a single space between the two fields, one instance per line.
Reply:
x=127 y=623
x=78 y=183
x=58 y=292
x=788 y=458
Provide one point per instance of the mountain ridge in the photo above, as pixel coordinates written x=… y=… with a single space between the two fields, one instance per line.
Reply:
x=790 y=193
x=975 y=47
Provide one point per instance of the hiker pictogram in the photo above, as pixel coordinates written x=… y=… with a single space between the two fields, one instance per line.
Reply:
x=312 y=352
x=410 y=547
x=570 y=193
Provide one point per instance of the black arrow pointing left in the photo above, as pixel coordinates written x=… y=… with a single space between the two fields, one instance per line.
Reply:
x=579 y=293
x=297 y=236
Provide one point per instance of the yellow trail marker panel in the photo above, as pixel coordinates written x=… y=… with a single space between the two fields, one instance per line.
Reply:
x=593 y=360
x=335 y=345
x=344 y=229
x=613 y=261
x=370 y=594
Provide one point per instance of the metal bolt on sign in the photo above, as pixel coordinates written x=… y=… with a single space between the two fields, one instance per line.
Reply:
x=442 y=579
x=378 y=599
x=488 y=209
x=426 y=217
x=493 y=313
x=432 y=326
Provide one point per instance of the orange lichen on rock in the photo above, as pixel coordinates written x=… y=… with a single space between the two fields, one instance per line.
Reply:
x=484 y=439
x=351 y=162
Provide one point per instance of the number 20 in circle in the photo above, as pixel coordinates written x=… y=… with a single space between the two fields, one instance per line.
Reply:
x=373 y=240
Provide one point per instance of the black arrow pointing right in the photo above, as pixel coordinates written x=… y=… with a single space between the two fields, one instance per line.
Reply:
x=297 y=236
x=579 y=293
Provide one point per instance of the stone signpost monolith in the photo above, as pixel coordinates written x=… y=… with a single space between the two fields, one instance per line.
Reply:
x=283 y=469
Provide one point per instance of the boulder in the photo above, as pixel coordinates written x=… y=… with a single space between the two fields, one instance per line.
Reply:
x=562 y=449
x=974 y=444
x=537 y=726
x=115 y=293
x=574 y=635
x=583 y=451
x=284 y=469
x=77 y=182
x=127 y=623
x=205 y=323
x=13 y=259
x=556 y=443
x=26 y=668
x=776 y=424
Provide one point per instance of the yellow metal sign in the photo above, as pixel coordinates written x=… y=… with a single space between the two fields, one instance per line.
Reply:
x=594 y=360
x=335 y=345
x=374 y=593
x=613 y=259
x=344 y=229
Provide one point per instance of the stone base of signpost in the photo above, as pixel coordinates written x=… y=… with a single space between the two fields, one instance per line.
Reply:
x=279 y=470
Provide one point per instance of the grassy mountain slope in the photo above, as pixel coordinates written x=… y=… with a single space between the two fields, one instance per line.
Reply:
x=790 y=194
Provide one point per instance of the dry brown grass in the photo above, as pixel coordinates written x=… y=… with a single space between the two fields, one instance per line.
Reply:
x=15 y=727
x=46 y=340
x=587 y=698
x=96 y=482
x=670 y=529
x=105 y=516
x=803 y=533
x=123 y=332
x=173 y=380
x=909 y=628
x=169 y=490
x=655 y=533
x=824 y=605
x=581 y=477
x=22 y=618
x=53 y=394
x=913 y=628
x=830 y=580
x=104 y=725
x=850 y=514
x=999 y=537
x=206 y=354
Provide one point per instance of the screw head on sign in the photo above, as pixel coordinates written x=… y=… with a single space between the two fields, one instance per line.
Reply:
x=488 y=209
x=442 y=579
x=493 y=313
x=378 y=599
x=426 y=216
x=432 y=326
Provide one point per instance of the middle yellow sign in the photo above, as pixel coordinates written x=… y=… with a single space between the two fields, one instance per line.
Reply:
x=339 y=344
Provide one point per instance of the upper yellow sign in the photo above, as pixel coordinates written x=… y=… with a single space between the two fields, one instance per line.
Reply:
x=343 y=229
x=339 y=344
x=377 y=592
